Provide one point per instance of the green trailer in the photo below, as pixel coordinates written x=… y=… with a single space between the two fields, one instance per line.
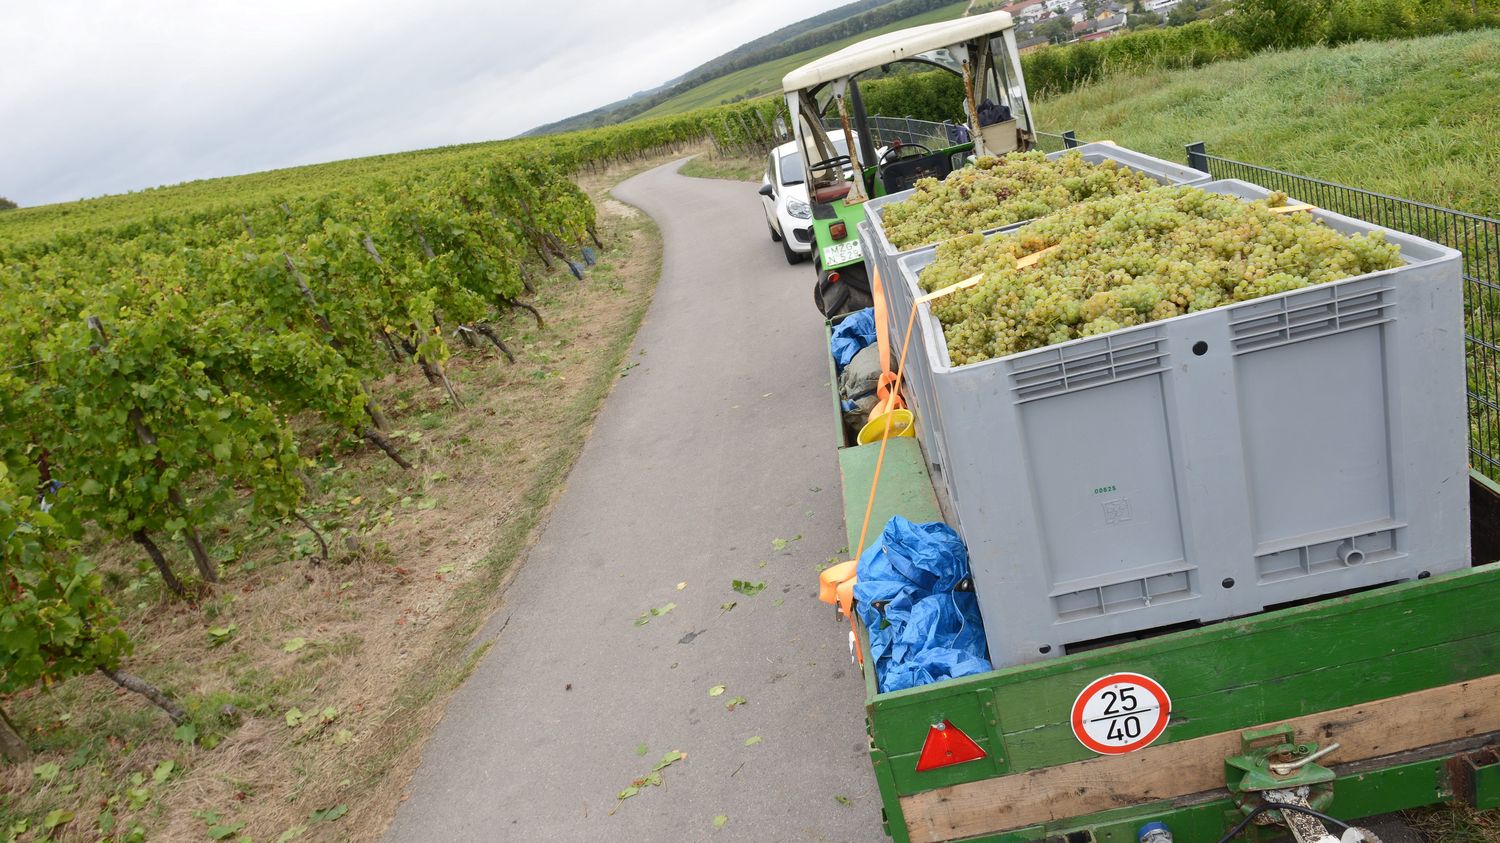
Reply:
x=1348 y=705
x=1405 y=679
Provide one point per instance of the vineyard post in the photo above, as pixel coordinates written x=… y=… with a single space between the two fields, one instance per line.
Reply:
x=744 y=145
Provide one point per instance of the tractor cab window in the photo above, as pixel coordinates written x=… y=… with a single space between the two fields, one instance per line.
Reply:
x=791 y=162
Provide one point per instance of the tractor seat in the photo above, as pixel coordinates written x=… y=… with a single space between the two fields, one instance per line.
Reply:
x=831 y=192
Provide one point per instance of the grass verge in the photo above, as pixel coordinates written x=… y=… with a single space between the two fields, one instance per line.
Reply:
x=1413 y=118
x=711 y=165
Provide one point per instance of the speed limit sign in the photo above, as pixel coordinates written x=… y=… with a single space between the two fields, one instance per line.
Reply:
x=1120 y=713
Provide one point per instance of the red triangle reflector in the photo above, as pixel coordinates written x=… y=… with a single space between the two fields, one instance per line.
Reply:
x=946 y=745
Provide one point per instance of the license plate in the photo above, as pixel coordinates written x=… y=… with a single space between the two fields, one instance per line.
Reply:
x=841 y=253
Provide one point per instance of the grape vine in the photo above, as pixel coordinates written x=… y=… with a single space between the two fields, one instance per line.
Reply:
x=1130 y=259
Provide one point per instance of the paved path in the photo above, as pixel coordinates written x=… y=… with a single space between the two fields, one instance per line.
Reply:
x=718 y=443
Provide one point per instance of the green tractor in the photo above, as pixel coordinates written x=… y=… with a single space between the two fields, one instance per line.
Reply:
x=824 y=101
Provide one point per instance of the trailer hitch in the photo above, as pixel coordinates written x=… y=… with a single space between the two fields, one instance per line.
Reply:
x=1274 y=770
x=1272 y=760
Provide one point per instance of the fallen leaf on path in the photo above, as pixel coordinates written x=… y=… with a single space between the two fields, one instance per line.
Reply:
x=720 y=820
x=747 y=588
x=669 y=759
x=752 y=740
x=716 y=690
x=735 y=701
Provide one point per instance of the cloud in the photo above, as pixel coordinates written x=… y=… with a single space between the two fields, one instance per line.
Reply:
x=104 y=96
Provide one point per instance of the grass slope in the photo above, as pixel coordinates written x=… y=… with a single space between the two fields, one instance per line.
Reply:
x=1413 y=118
x=766 y=78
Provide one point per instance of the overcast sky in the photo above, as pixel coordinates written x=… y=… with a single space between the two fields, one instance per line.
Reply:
x=105 y=96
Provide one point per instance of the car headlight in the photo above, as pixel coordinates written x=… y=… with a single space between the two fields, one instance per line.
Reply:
x=798 y=209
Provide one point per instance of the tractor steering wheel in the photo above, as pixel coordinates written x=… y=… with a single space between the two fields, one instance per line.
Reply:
x=899 y=151
x=829 y=163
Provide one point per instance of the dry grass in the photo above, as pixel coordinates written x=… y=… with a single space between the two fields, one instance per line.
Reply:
x=1455 y=824
x=419 y=561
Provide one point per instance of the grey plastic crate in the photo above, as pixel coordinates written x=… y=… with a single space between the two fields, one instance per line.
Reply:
x=900 y=294
x=1211 y=465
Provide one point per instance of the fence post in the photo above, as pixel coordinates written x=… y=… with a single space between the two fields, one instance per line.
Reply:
x=1070 y=139
x=1197 y=156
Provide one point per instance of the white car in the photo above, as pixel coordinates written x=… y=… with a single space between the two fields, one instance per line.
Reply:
x=784 y=197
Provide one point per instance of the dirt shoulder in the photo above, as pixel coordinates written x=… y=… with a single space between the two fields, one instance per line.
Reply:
x=313 y=684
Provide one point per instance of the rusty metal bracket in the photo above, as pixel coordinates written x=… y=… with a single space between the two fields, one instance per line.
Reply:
x=1474 y=777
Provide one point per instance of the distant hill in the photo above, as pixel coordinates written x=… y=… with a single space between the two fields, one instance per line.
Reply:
x=818 y=31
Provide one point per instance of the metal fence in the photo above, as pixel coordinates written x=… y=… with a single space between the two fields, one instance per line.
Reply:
x=885 y=130
x=1049 y=142
x=1477 y=237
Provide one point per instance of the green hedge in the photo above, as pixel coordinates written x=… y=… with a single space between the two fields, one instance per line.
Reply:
x=1255 y=25
x=1057 y=70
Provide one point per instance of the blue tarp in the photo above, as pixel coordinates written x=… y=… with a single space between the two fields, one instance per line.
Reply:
x=851 y=335
x=926 y=631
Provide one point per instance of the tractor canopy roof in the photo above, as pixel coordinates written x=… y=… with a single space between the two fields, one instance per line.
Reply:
x=894 y=46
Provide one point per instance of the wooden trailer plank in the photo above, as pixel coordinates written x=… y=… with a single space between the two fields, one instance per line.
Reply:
x=1339 y=652
x=904 y=487
x=1369 y=730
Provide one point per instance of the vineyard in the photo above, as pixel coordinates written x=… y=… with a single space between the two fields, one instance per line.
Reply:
x=189 y=376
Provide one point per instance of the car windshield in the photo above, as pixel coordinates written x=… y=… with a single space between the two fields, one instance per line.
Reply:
x=791 y=163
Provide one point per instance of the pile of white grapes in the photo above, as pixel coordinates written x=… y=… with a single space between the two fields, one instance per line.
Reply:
x=998 y=191
x=1132 y=259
